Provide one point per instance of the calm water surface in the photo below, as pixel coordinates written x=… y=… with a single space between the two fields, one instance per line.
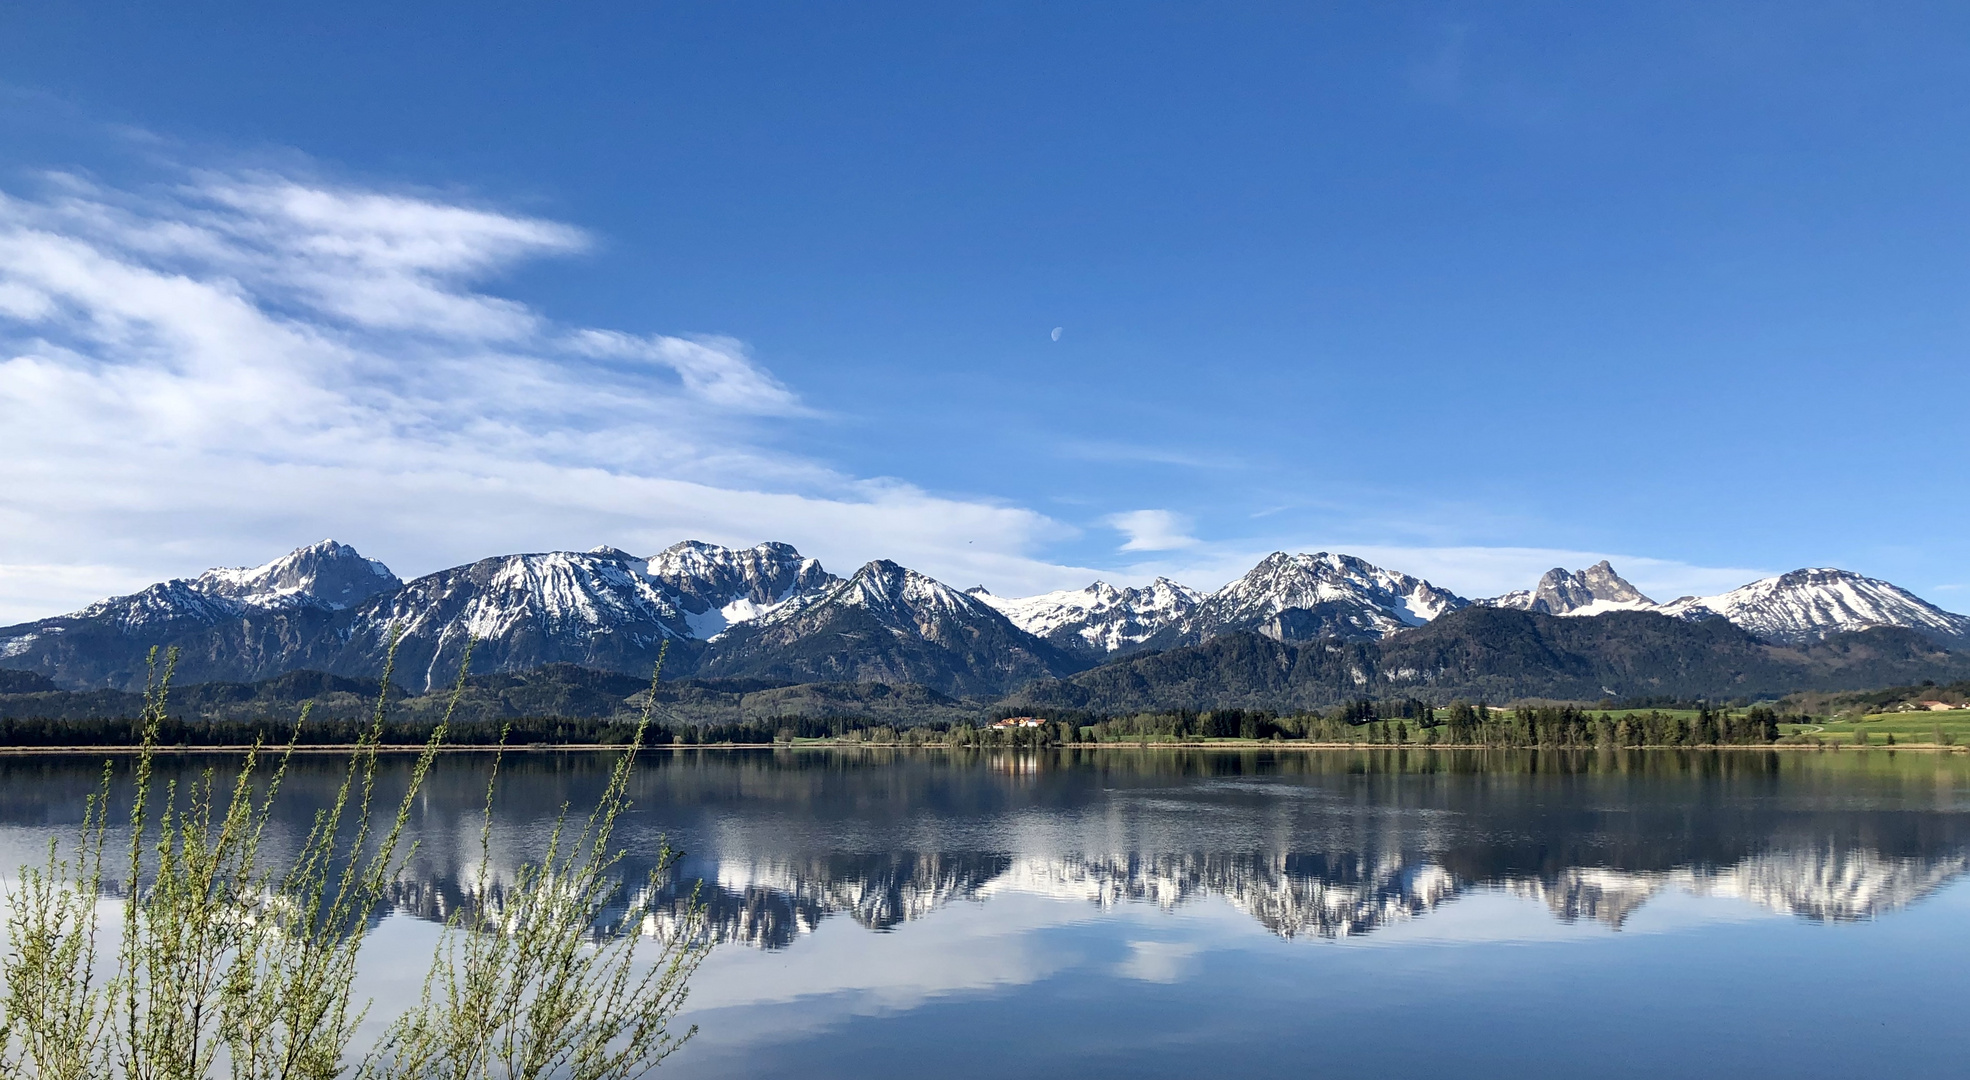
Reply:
x=1253 y=914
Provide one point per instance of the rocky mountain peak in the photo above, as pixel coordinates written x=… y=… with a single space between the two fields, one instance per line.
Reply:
x=904 y=599
x=1577 y=592
x=1605 y=584
x=329 y=574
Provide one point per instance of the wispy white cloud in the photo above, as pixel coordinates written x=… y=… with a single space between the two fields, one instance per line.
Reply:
x=219 y=370
x=1109 y=450
x=1153 y=530
x=716 y=369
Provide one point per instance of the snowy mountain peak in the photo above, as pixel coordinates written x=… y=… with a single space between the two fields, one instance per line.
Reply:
x=1577 y=592
x=1100 y=618
x=329 y=574
x=1294 y=597
x=903 y=599
x=718 y=587
x=1809 y=604
x=1165 y=591
x=888 y=624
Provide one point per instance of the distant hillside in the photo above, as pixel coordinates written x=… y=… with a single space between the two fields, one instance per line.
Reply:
x=552 y=691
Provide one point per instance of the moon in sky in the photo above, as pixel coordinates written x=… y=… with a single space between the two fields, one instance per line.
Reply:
x=1056 y=333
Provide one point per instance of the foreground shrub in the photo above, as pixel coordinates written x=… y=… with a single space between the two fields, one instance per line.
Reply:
x=214 y=964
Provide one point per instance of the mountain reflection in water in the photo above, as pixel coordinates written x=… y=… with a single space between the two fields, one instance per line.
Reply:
x=1292 y=895
x=1321 y=844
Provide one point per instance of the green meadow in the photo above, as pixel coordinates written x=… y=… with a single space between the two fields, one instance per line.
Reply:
x=1906 y=727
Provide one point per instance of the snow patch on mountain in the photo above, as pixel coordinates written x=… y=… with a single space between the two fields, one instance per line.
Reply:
x=711 y=623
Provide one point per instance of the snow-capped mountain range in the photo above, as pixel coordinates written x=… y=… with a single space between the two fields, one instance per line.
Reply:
x=1802 y=606
x=768 y=612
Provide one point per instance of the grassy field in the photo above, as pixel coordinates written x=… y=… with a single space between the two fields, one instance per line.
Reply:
x=1906 y=727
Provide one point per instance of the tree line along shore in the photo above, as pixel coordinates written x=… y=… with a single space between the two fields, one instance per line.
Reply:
x=1409 y=723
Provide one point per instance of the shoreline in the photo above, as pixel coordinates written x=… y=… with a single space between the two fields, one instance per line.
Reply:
x=1228 y=744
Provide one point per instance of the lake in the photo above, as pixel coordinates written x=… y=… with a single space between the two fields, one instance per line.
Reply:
x=1179 y=913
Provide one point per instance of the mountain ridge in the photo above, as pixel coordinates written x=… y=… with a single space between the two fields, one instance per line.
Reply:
x=1811 y=603
x=890 y=624
x=1481 y=653
x=768 y=612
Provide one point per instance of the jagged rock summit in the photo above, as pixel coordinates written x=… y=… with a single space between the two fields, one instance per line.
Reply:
x=601 y=608
x=596 y=608
x=1286 y=597
x=719 y=587
x=1576 y=592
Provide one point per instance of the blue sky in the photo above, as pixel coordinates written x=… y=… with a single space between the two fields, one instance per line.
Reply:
x=1468 y=289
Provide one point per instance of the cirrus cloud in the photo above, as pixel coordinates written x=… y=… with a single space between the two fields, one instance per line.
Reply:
x=235 y=364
